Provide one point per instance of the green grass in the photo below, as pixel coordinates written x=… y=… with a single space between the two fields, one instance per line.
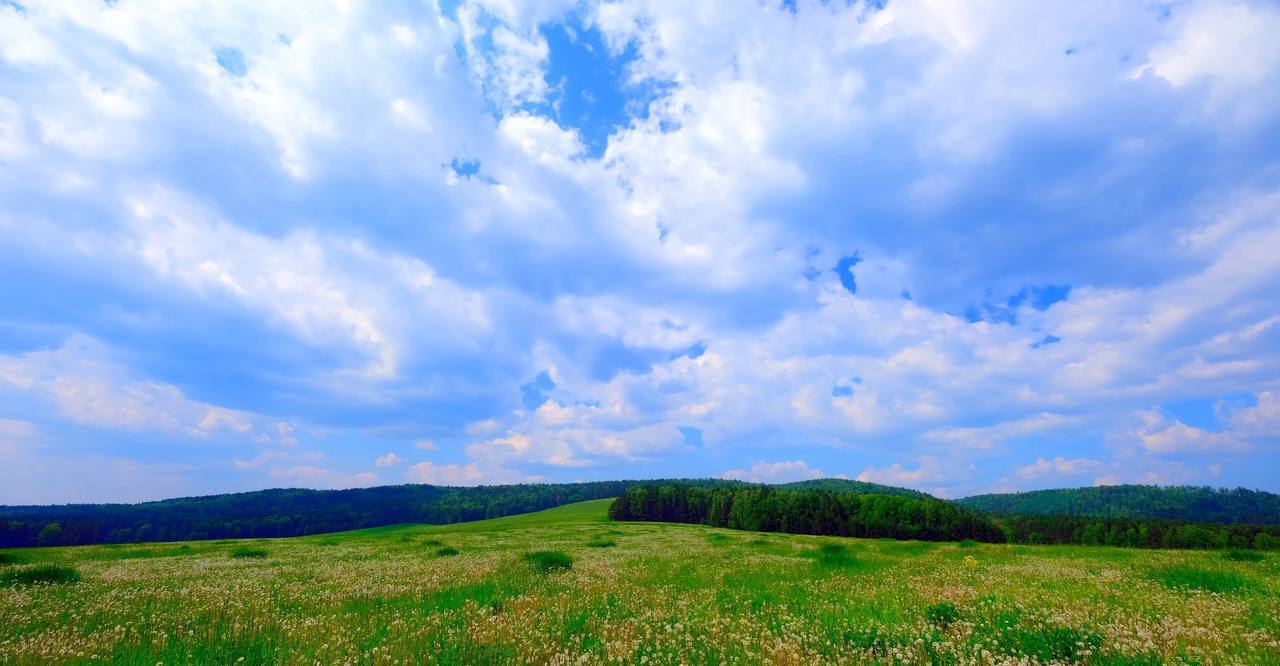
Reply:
x=1200 y=578
x=243 y=552
x=941 y=614
x=46 y=574
x=1243 y=556
x=542 y=588
x=9 y=558
x=548 y=561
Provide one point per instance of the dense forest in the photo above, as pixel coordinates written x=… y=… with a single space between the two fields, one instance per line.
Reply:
x=281 y=513
x=1137 y=532
x=1197 y=504
x=766 y=509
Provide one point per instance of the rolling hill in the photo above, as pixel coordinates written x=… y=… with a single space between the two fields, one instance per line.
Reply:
x=298 y=512
x=1199 y=504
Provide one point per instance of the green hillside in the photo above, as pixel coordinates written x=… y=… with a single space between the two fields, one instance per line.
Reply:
x=299 y=512
x=1187 y=503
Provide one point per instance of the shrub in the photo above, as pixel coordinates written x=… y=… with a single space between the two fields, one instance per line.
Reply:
x=832 y=549
x=447 y=551
x=432 y=542
x=833 y=556
x=941 y=614
x=1243 y=556
x=967 y=543
x=1055 y=644
x=602 y=543
x=547 y=561
x=9 y=558
x=49 y=574
x=1264 y=541
x=247 y=552
x=1201 y=579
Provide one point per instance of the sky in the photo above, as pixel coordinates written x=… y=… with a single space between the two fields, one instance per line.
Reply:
x=960 y=247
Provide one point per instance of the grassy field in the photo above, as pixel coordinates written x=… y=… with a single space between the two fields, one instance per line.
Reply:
x=567 y=586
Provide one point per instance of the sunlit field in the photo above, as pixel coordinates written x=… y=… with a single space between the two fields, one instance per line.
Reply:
x=567 y=586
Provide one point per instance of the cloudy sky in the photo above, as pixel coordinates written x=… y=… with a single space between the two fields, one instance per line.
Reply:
x=961 y=247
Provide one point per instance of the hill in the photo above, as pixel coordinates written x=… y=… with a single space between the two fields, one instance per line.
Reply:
x=299 y=512
x=1186 y=503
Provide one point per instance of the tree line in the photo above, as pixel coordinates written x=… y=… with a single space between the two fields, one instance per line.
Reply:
x=854 y=514
x=1137 y=532
x=1196 y=504
x=766 y=509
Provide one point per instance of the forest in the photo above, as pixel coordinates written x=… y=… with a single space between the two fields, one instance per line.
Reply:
x=825 y=512
x=1198 y=504
x=1138 y=532
x=765 y=509
x=282 y=513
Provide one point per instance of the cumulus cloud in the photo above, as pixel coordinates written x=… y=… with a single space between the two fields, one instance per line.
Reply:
x=388 y=460
x=1058 y=466
x=928 y=470
x=1244 y=428
x=88 y=387
x=989 y=436
x=776 y=472
x=362 y=213
x=470 y=474
x=326 y=291
x=311 y=476
x=1229 y=47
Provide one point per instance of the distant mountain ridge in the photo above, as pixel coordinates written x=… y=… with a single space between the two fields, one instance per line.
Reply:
x=1200 y=504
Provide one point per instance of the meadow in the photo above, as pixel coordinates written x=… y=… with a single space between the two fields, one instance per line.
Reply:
x=568 y=586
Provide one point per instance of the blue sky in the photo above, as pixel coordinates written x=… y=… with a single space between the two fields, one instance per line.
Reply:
x=957 y=248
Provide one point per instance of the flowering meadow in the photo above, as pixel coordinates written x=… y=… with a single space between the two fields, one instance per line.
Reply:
x=568 y=586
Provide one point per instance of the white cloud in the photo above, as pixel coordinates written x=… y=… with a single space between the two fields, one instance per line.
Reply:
x=1059 y=466
x=387 y=461
x=15 y=438
x=990 y=436
x=1233 y=43
x=929 y=470
x=1261 y=422
x=88 y=387
x=328 y=292
x=1245 y=428
x=777 y=472
x=311 y=476
x=470 y=474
